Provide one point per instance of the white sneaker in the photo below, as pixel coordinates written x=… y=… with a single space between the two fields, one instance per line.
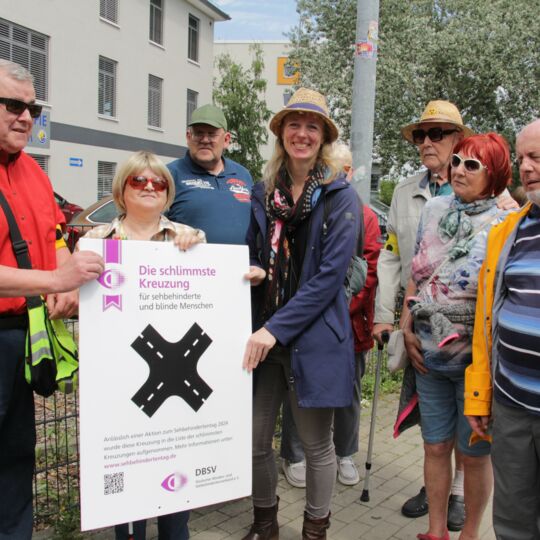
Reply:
x=295 y=473
x=347 y=471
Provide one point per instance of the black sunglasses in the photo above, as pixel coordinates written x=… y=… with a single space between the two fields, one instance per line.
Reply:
x=17 y=107
x=435 y=134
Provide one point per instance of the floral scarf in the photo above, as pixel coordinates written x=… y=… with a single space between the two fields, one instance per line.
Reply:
x=457 y=224
x=284 y=215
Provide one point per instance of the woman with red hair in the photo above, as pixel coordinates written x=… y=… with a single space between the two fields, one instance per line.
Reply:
x=439 y=314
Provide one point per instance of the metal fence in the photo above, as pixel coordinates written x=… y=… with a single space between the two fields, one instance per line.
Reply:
x=56 y=477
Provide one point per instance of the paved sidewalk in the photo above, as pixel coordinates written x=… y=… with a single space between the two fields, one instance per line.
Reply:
x=396 y=474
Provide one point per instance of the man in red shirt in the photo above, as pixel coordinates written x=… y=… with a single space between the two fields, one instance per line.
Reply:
x=54 y=271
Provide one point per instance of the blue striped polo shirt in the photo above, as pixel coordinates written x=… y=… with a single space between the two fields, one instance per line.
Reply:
x=517 y=377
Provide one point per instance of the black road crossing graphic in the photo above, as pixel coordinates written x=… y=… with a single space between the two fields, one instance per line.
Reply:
x=173 y=369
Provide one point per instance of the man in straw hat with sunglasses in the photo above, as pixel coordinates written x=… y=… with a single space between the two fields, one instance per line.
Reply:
x=29 y=194
x=439 y=129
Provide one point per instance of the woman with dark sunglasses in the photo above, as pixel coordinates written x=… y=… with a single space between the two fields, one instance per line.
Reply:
x=438 y=317
x=142 y=189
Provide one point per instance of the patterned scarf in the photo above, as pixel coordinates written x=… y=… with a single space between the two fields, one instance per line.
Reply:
x=456 y=223
x=284 y=215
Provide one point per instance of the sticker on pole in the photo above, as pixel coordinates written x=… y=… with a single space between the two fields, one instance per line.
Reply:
x=367 y=48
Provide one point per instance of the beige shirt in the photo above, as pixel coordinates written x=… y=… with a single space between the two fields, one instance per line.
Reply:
x=168 y=230
x=394 y=265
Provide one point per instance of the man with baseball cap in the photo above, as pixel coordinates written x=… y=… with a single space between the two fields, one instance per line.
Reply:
x=212 y=192
x=435 y=134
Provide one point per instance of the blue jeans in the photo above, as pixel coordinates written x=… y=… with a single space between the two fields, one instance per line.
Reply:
x=441 y=397
x=17 y=439
x=346 y=423
x=170 y=527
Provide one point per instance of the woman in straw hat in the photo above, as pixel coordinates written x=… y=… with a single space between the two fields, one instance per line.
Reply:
x=304 y=225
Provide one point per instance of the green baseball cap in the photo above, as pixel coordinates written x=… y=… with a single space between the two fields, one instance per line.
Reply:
x=209 y=114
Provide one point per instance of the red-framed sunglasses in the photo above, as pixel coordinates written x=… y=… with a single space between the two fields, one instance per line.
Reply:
x=140 y=182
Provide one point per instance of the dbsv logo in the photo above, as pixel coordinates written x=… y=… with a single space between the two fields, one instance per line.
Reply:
x=205 y=470
x=174 y=482
x=112 y=278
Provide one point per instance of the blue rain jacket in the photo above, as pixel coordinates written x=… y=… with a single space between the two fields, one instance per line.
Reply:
x=315 y=322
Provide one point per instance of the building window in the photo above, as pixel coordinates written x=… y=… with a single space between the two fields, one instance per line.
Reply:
x=192 y=99
x=107 y=87
x=108 y=10
x=193 y=39
x=29 y=49
x=155 y=85
x=42 y=161
x=106 y=170
x=156 y=21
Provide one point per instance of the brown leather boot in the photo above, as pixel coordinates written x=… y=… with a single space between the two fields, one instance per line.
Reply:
x=265 y=525
x=315 y=529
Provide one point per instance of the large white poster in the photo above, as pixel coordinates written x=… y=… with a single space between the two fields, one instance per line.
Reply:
x=165 y=407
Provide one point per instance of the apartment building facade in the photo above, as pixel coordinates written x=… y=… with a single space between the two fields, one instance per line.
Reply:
x=114 y=76
x=279 y=76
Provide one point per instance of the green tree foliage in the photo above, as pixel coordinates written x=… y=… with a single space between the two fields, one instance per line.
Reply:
x=480 y=54
x=386 y=190
x=240 y=93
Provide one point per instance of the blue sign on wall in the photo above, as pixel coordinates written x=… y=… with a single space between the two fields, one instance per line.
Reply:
x=41 y=131
x=75 y=162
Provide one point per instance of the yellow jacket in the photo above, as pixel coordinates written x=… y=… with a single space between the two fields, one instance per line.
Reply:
x=478 y=376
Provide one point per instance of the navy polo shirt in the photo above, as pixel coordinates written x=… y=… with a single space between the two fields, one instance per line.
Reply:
x=218 y=204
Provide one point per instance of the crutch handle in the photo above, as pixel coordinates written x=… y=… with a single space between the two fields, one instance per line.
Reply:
x=385 y=336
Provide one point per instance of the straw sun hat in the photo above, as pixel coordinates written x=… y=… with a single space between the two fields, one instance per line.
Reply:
x=438 y=111
x=308 y=101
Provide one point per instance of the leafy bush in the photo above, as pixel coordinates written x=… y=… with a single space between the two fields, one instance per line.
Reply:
x=386 y=190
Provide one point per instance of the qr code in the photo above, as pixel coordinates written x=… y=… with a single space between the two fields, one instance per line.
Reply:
x=113 y=483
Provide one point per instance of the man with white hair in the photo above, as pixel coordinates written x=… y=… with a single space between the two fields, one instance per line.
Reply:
x=503 y=382
x=29 y=194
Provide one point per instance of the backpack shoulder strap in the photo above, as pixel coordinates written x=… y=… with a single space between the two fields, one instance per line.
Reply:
x=20 y=247
x=328 y=209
